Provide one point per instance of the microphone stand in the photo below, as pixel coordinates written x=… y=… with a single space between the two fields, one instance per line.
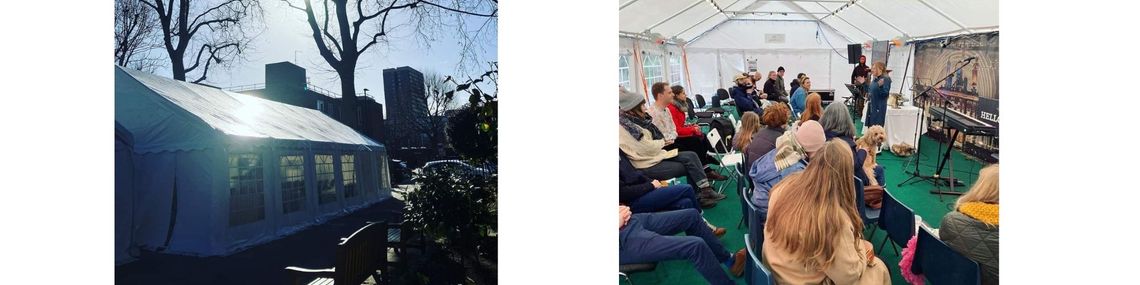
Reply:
x=935 y=179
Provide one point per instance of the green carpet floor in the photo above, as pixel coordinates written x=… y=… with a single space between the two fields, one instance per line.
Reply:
x=915 y=195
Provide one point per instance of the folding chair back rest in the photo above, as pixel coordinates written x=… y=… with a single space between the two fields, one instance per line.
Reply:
x=755 y=224
x=941 y=264
x=859 y=204
x=755 y=273
x=896 y=219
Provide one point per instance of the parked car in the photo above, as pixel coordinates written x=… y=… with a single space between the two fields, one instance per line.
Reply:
x=460 y=166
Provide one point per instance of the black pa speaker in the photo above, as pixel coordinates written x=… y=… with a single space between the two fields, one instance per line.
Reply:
x=853 y=53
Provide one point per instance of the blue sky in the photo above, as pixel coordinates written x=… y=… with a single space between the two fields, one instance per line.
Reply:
x=287 y=37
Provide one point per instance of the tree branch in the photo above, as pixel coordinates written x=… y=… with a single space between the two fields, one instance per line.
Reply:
x=192 y=23
x=213 y=58
x=339 y=49
x=492 y=14
x=207 y=23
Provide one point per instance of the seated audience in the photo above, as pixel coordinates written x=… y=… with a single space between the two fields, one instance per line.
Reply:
x=796 y=82
x=686 y=137
x=683 y=104
x=770 y=85
x=775 y=118
x=797 y=100
x=643 y=194
x=643 y=143
x=814 y=234
x=651 y=237
x=813 y=108
x=792 y=153
x=972 y=229
x=782 y=96
x=837 y=123
x=749 y=124
x=742 y=95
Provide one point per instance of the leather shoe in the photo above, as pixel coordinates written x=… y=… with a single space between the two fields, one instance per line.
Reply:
x=738 y=262
x=713 y=175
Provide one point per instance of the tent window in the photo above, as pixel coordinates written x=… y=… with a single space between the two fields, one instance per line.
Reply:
x=326 y=178
x=653 y=69
x=247 y=202
x=623 y=70
x=292 y=183
x=676 y=76
x=348 y=171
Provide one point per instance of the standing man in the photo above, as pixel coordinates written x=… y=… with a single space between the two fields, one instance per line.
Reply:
x=858 y=78
x=780 y=87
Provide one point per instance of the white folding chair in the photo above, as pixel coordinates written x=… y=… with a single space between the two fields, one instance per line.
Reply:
x=728 y=160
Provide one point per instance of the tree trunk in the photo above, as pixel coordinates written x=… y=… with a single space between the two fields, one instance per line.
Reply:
x=349 y=115
x=178 y=66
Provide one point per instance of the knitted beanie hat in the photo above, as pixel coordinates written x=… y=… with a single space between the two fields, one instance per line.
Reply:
x=627 y=100
x=810 y=136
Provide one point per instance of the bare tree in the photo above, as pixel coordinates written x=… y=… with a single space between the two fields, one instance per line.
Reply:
x=135 y=29
x=342 y=44
x=220 y=30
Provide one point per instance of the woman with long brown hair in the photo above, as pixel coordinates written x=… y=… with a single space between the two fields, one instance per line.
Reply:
x=814 y=234
x=813 y=108
x=749 y=124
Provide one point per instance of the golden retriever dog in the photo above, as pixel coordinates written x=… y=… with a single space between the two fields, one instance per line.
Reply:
x=871 y=141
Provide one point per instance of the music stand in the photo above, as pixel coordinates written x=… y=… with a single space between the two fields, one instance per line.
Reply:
x=855 y=92
x=936 y=177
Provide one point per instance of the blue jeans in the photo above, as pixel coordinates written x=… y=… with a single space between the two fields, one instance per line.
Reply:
x=880 y=176
x=674 y=197
x=649 y=237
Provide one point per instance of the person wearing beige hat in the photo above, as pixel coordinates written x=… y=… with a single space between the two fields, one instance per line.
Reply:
x=742 y=95
x=643 y=143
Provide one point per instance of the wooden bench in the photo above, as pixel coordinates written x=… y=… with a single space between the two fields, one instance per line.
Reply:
x=358 y=256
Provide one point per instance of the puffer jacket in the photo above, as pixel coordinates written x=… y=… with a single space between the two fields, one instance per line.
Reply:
x=765 y=175
x=973 y=239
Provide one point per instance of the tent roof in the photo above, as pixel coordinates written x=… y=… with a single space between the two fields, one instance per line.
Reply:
x=858 y=21
x=154 y=109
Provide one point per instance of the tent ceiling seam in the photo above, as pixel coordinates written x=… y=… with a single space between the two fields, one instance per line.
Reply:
x=698 y=2
x=848 y=23
x=820 y=21
x=944 y=15
x=881 y=19
x=626 y=4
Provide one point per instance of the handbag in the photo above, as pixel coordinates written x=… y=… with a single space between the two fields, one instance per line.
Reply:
x=873 y=196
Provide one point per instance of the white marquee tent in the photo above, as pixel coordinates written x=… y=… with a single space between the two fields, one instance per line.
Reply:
x=702 y=44
x=215 y=172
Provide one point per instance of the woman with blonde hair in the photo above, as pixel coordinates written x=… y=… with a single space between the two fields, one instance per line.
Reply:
x=972 y=229
x=813 y=108
x=877 y=92
x=813 y=234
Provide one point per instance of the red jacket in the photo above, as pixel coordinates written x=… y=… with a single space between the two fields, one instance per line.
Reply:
x=679 y=121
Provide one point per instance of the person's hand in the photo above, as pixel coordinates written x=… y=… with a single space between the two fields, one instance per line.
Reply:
x=763 y=95
x=658 y=184
x=668 y=142
x=623 y=215
x=881 y=82
x=860 y=79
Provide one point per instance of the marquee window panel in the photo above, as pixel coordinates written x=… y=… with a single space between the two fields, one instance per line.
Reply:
x=292 y=183
x=653 y=69
x=348 y=171
x=623 y=71
x=247 y=199
x=326 y=178
x=676 y=72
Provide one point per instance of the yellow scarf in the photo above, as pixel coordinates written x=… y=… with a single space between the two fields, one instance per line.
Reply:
x=985 y=212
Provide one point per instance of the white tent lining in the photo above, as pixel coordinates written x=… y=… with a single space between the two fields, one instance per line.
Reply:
x=840 y=8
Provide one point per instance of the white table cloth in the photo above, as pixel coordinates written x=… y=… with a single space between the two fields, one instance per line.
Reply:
x=903 y=125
